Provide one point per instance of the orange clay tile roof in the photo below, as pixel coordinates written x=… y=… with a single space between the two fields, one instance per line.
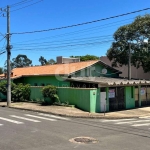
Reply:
x=60 y=69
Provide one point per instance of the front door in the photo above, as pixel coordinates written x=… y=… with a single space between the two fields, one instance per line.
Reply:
x=103 y=101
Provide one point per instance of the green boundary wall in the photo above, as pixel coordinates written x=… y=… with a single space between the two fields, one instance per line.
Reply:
x=83 y=98
x=36 y=93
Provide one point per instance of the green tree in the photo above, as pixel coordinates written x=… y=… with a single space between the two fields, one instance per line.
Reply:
x=21 y=61
x=1 y=70
x=42 y=60
x=86 y=57
x=137 y=36
x=51 y=61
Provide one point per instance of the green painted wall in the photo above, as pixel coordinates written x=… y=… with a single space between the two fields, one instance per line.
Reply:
x=36 y=94
x=43 y=80
x=84 y=99
x=98 y=107
x=95 y=71
x=129 y=97
x=107 y=99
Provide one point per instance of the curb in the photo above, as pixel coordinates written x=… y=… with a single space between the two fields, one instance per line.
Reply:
x=65 y=115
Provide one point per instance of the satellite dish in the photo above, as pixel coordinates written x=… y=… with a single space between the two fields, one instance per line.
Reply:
x=104 y=71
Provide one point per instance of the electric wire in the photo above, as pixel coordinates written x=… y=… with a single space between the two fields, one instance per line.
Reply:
x=26 y=6
x=20 y=3
x=63 y=46
x=2 y=38
x=72 y=33
x=81 y=24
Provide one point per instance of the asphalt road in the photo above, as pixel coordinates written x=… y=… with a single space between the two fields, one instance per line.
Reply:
x=25 y=130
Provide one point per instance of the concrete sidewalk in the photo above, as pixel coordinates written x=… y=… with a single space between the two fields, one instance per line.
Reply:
x=74 y=112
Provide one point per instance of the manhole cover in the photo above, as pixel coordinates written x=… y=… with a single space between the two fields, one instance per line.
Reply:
x=83 y=140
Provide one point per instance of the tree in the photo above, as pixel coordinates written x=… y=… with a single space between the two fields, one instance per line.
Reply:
x=21 y=61
x=51 y=61
x=86 y=57
x=1 y=70
x=42 y=60
x=137 y=36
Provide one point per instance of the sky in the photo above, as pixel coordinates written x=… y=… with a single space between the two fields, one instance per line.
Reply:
x=92 y=39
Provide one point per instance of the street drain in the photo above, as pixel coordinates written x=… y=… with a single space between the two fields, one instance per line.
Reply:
x=83 y=140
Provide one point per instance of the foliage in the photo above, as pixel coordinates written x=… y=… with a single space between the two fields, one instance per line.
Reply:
x=136 y=35
x=51 y=61
x=86 y=57
x=42 y=60
x=3 y=87
x=21 y=61
x=21 y=92
x=1 y=70
x=50 y=91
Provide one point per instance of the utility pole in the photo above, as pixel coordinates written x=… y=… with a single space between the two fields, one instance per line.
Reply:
x=8 y=47
x=129 y=63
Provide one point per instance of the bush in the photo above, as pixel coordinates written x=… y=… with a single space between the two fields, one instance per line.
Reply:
x=3 y=87
x=50 y=91
x=21 y=92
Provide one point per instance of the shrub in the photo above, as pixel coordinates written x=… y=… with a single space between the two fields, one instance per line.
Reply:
x=21 y=92
x=3 y=87
x=50 y=91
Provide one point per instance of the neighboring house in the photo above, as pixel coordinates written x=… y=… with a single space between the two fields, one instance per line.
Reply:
x=92 y=86
x=136 y=73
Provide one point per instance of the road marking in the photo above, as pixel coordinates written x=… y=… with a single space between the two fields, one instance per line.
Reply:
x=138 y=125
x=1 y=124
x=13 y=121
x=130 y=122
x=40 y=117
x=57 y=117
x=25 y=118
x=117 y=120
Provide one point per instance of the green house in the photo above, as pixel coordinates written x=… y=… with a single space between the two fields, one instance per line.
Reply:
x=92 y=86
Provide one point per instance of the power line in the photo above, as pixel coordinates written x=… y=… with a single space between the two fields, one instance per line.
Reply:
x=2 y=52
x=64 y=46
x=80 y=24
x=70 y=41
x=20 y=3
x=78 y=32
x=2 y=38
x=27 y=6
x=3 y=45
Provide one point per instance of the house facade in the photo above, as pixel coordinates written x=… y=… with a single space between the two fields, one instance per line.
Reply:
x=91 y=86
